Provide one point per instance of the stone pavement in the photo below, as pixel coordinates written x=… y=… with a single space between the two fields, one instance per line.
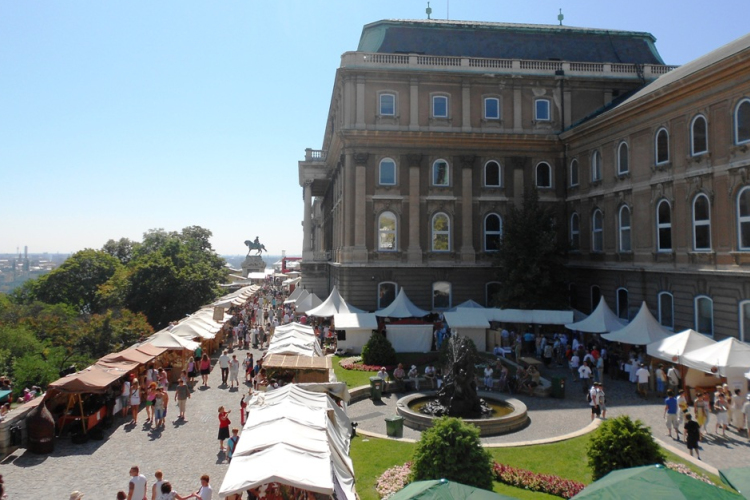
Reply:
x=182 y=450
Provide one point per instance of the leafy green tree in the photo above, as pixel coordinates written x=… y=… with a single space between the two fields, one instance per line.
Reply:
x=121 y=249
x=39 y=368
x=111 y=332
x=620 y=443
x=451 y=449
x=531 y=258
x=378 y=351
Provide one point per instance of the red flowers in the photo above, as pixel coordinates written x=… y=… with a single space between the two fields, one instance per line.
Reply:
x=546 y=483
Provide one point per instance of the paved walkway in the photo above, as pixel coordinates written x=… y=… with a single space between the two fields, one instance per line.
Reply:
x=183 y=451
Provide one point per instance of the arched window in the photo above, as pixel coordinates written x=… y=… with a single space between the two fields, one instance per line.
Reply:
x=742 y=122
x=440 y=173
x=622 y=303
x=441 y=295
x=492 y=174
x=624 y=223
x=441 y=232
x=623 y=158
x=745 y=320
x=704 y=315
x=596 y=296
x=491 y=108
x=701 y=223
x=387 y=233
x=440 y=106
x=666 y=310
x=597 y=231
x=387 y=172
x=575 y=232
x=386 y=293
x=493 y=231
x=698 y=136
x=574 y=173
x=664 y=226
x=596 y=166
x=491 y=290
x=543 y=175
x=662 y=146
x=743 y=218
x=387 y=104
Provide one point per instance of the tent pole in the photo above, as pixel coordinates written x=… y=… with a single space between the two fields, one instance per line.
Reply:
x=83 y=417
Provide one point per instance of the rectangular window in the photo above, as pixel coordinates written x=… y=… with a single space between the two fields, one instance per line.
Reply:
x=541 y=108
x=440 y=106
x=491 y=108
x=387 y=104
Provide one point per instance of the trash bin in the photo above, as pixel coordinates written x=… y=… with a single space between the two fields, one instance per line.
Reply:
x=376 y=388
x=558 y=387
x=394 y=426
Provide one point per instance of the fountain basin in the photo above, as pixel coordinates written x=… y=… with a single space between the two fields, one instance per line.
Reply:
x=489 y=426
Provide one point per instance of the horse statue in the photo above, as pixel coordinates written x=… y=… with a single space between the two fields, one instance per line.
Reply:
x=255 y=245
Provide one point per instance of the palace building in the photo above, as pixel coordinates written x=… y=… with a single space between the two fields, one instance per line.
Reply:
x=436 y=127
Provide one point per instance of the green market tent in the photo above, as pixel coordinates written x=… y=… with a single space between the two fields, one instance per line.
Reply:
x=443 y=489
x=652 y=481
x=738 y=478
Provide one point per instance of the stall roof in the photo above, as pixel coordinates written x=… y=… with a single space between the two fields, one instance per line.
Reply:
x=530 y=316
x=135 y=354
x=95 y=379
x=334 y=304
x=724 y=355
x=297 y=293
x=675 y=346
x=401 y=307
x=167 y=340
x=601 y=320
x=355 y=321
x=297 y=362
x=309 y=302
x=467 y=318
x=643 y=329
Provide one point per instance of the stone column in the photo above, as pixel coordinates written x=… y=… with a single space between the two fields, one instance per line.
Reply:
x=517 y=111
x=414 y=104
x=360 y=115
x=465 y=107
x=467 y=221
x=359 y=253
x=307 y=249
x=347 y=233
x=414 y=250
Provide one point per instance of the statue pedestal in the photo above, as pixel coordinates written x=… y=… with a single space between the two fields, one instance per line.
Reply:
x=253 y=264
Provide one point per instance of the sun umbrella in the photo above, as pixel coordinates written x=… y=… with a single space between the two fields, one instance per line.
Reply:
x=442 y=489
x=652 y=481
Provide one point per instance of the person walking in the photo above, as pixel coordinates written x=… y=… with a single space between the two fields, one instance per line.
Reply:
x=584 y=374
x=137 y=485
x=232 y=443
x=661 y=380
x=673 y=379
x=205 y=367
x=670 y=413
x=692 y=435
x=205 y=492
x=224 y=365
x=159 y=408
x=602 y=400
x=181 y=395
x=247 y=364
x=593 y=399
x=191 y=370
x=125 y=396
x=721 y=408
x=224 y=423
x=234 y=371
x=156 y=488
x=642 y=375
x=746 y=414
x=135 y=400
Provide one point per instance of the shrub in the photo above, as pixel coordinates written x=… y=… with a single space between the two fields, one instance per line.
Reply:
x=620 y=443
x=451 y=449
x=378 y=351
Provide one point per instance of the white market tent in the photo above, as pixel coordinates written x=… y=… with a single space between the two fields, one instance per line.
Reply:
x=236 y=298
x=334 y=304
x=167 y=340
x=601 y=320
x=296 y=438
x=401 y=307
x=410 y=338
x=294 y=327
x=294 y=339
x=530 y=316
x=470 y=323
x=729 y=357
x=675 y=346
x=311 y=301
x=192 y=329
x=642 y=330
x=469 y=304
x=358 y=327
x=296 y=294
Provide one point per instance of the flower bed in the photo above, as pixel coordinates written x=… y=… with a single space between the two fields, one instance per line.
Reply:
x=684 y=469
x=393 y=480
x=545 y=483
x=355 y=363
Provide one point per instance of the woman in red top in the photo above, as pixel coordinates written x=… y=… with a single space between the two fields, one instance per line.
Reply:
x=223 y=426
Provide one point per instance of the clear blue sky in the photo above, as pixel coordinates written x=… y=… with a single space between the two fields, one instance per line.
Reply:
x=119 y=117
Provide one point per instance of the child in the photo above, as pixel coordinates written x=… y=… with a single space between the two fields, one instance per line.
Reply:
x=232 y=443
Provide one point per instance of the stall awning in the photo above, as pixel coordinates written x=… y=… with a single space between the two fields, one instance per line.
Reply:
x=95 y=379
x=297 y=362
x=531 y=316
x=135 y=354
x=467 y=318
x=355 y=321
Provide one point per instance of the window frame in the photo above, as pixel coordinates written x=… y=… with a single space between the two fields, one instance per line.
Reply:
x=395 y=292
x=499 y=174
x=549 y=174
x=665 y=226
x=743 y=219
x=380 y=172
x=450 y=295
x=741 y=306
x=693 y=151
x=433 y=177
x=657 y=149
x=536 y=110
x=382 y=232
x=737 y=140
x=596 y=166
x=486 y=233
x=627 y=303
x=575 y=231
x=696 y=310
x=702 y=223
x=621 y=228
x=435 y=99
x=620 y=170
x=574 y=168
x=380 y=103
x=434 y=233
x=484 y=109
x=597 y=231
x=661 y=309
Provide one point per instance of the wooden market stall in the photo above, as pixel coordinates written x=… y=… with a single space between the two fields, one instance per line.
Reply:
x=299 y=369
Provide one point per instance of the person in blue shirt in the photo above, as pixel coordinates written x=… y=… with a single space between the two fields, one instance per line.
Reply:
x=670 y=413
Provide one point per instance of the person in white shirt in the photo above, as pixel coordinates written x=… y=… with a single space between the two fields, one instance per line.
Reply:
x=413 y=376
x=138 y=484
x=593 y=398
x=224 y=365
x=642 y=375
x=574 y=363
x=584 y=373
x=205 y=492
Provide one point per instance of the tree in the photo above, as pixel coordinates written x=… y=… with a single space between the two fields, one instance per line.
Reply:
x=378 y=351
x=531 y=259
x=620 y=443
x=122 y=249
x=451 y=449
x=112 y=331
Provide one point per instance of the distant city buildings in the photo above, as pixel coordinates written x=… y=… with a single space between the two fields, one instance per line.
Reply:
x=17 y=268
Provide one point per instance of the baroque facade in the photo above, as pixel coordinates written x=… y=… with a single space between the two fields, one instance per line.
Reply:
x=435 y=128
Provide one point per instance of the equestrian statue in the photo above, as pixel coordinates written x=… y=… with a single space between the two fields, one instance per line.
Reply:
x=255 y=245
